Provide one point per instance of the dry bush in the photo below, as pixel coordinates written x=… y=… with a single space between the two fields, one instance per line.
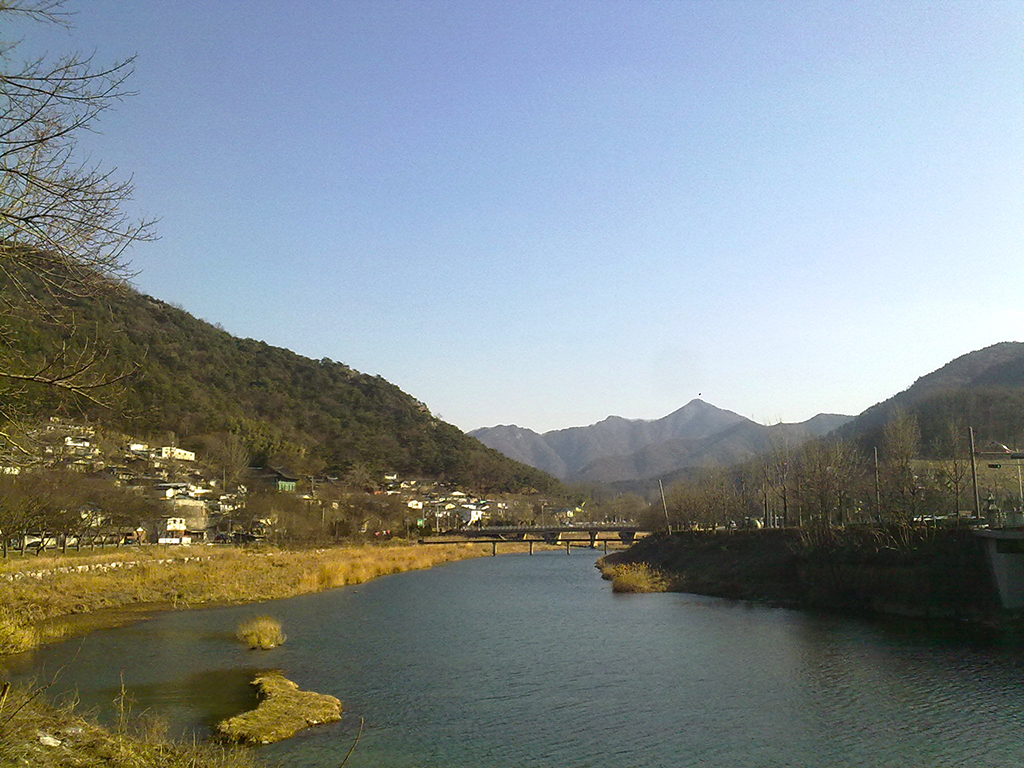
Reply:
x=262 y=632
x=636 y=577
x=14 y=634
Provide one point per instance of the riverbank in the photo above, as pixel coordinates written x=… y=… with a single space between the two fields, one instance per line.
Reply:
x=34 y=732
x=49 y=599
x=926 y=573
x=52 y=598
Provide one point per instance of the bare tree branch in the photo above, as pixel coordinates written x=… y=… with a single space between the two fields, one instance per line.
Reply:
x=64 y=230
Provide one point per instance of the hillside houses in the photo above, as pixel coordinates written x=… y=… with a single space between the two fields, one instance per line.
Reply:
x=181 y=499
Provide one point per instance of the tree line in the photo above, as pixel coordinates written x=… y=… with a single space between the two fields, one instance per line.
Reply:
x=62 y=508
x=834 y=482
x=59 y=508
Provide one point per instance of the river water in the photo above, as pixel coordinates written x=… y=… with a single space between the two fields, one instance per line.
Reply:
x=532 y=661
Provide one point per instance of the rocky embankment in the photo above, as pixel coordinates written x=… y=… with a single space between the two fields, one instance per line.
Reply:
x=909 y=572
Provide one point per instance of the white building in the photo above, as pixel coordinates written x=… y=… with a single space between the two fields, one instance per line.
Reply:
x=170 y=452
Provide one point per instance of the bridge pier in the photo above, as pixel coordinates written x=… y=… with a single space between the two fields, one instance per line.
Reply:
x=531 y=546
x=494 y=548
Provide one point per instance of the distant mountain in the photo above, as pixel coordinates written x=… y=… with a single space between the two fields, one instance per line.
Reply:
x=617 y=450
x=984 y=388
x=523 y=445
x=729 y=446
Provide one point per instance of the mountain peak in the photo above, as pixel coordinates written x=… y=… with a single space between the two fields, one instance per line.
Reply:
x=563 y=452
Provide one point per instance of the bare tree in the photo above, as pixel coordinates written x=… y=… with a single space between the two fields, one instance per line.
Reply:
x=954 y=461
x=704 y=503
x=360 y=477
x=828 y=472
x=63 y=227
x=901 y=487
x=778 y=480
x=229 y=457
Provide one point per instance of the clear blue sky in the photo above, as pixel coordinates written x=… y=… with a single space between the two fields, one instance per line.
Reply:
x=544 y=213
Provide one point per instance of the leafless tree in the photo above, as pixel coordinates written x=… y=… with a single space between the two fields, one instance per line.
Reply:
x=360 y=477
x=778 y=481
x=63 y=228
x=954 y=468
x=709 y=501
x=229 y=457
x=901 y=486
x=828 y=472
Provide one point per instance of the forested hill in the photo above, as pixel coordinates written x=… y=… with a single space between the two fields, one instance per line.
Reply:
x=196 y=380
x=983 y=389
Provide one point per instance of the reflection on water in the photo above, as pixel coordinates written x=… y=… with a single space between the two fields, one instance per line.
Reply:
x=521 y=660
x=198 y=701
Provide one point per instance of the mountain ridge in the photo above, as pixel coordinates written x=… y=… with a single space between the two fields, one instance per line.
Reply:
x=983 y=388
x=617 y=449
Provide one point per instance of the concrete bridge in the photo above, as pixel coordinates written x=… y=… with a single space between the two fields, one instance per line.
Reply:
x=589 y=535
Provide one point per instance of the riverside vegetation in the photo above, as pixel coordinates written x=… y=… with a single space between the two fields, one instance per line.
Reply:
x=283 y=711
x=49 y=600
x=34 y=732
x=925 y=572
x=633 y=577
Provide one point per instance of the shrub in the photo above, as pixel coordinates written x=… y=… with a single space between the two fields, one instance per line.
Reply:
x=260 y=632
x=637 y=577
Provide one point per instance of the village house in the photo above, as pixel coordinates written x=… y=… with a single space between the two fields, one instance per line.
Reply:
x=173 y=453
x=186 y=518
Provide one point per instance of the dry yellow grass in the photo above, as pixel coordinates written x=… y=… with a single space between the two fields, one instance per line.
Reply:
x=261 y=632
x=635 y=577
x=58 y=597
x=38 y=734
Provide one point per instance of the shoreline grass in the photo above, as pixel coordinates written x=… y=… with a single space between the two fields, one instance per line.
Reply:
x=34 y=732
x=58 y=600
x=630 y=578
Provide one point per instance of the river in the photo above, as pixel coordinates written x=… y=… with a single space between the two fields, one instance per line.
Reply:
x=532 y=661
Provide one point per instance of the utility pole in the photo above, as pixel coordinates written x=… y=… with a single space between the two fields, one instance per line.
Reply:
x=1017 y=456
x=664 y=506
x=974 y=476
x=878 y=495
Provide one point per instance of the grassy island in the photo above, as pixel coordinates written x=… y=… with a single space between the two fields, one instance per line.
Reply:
x=283 y=711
